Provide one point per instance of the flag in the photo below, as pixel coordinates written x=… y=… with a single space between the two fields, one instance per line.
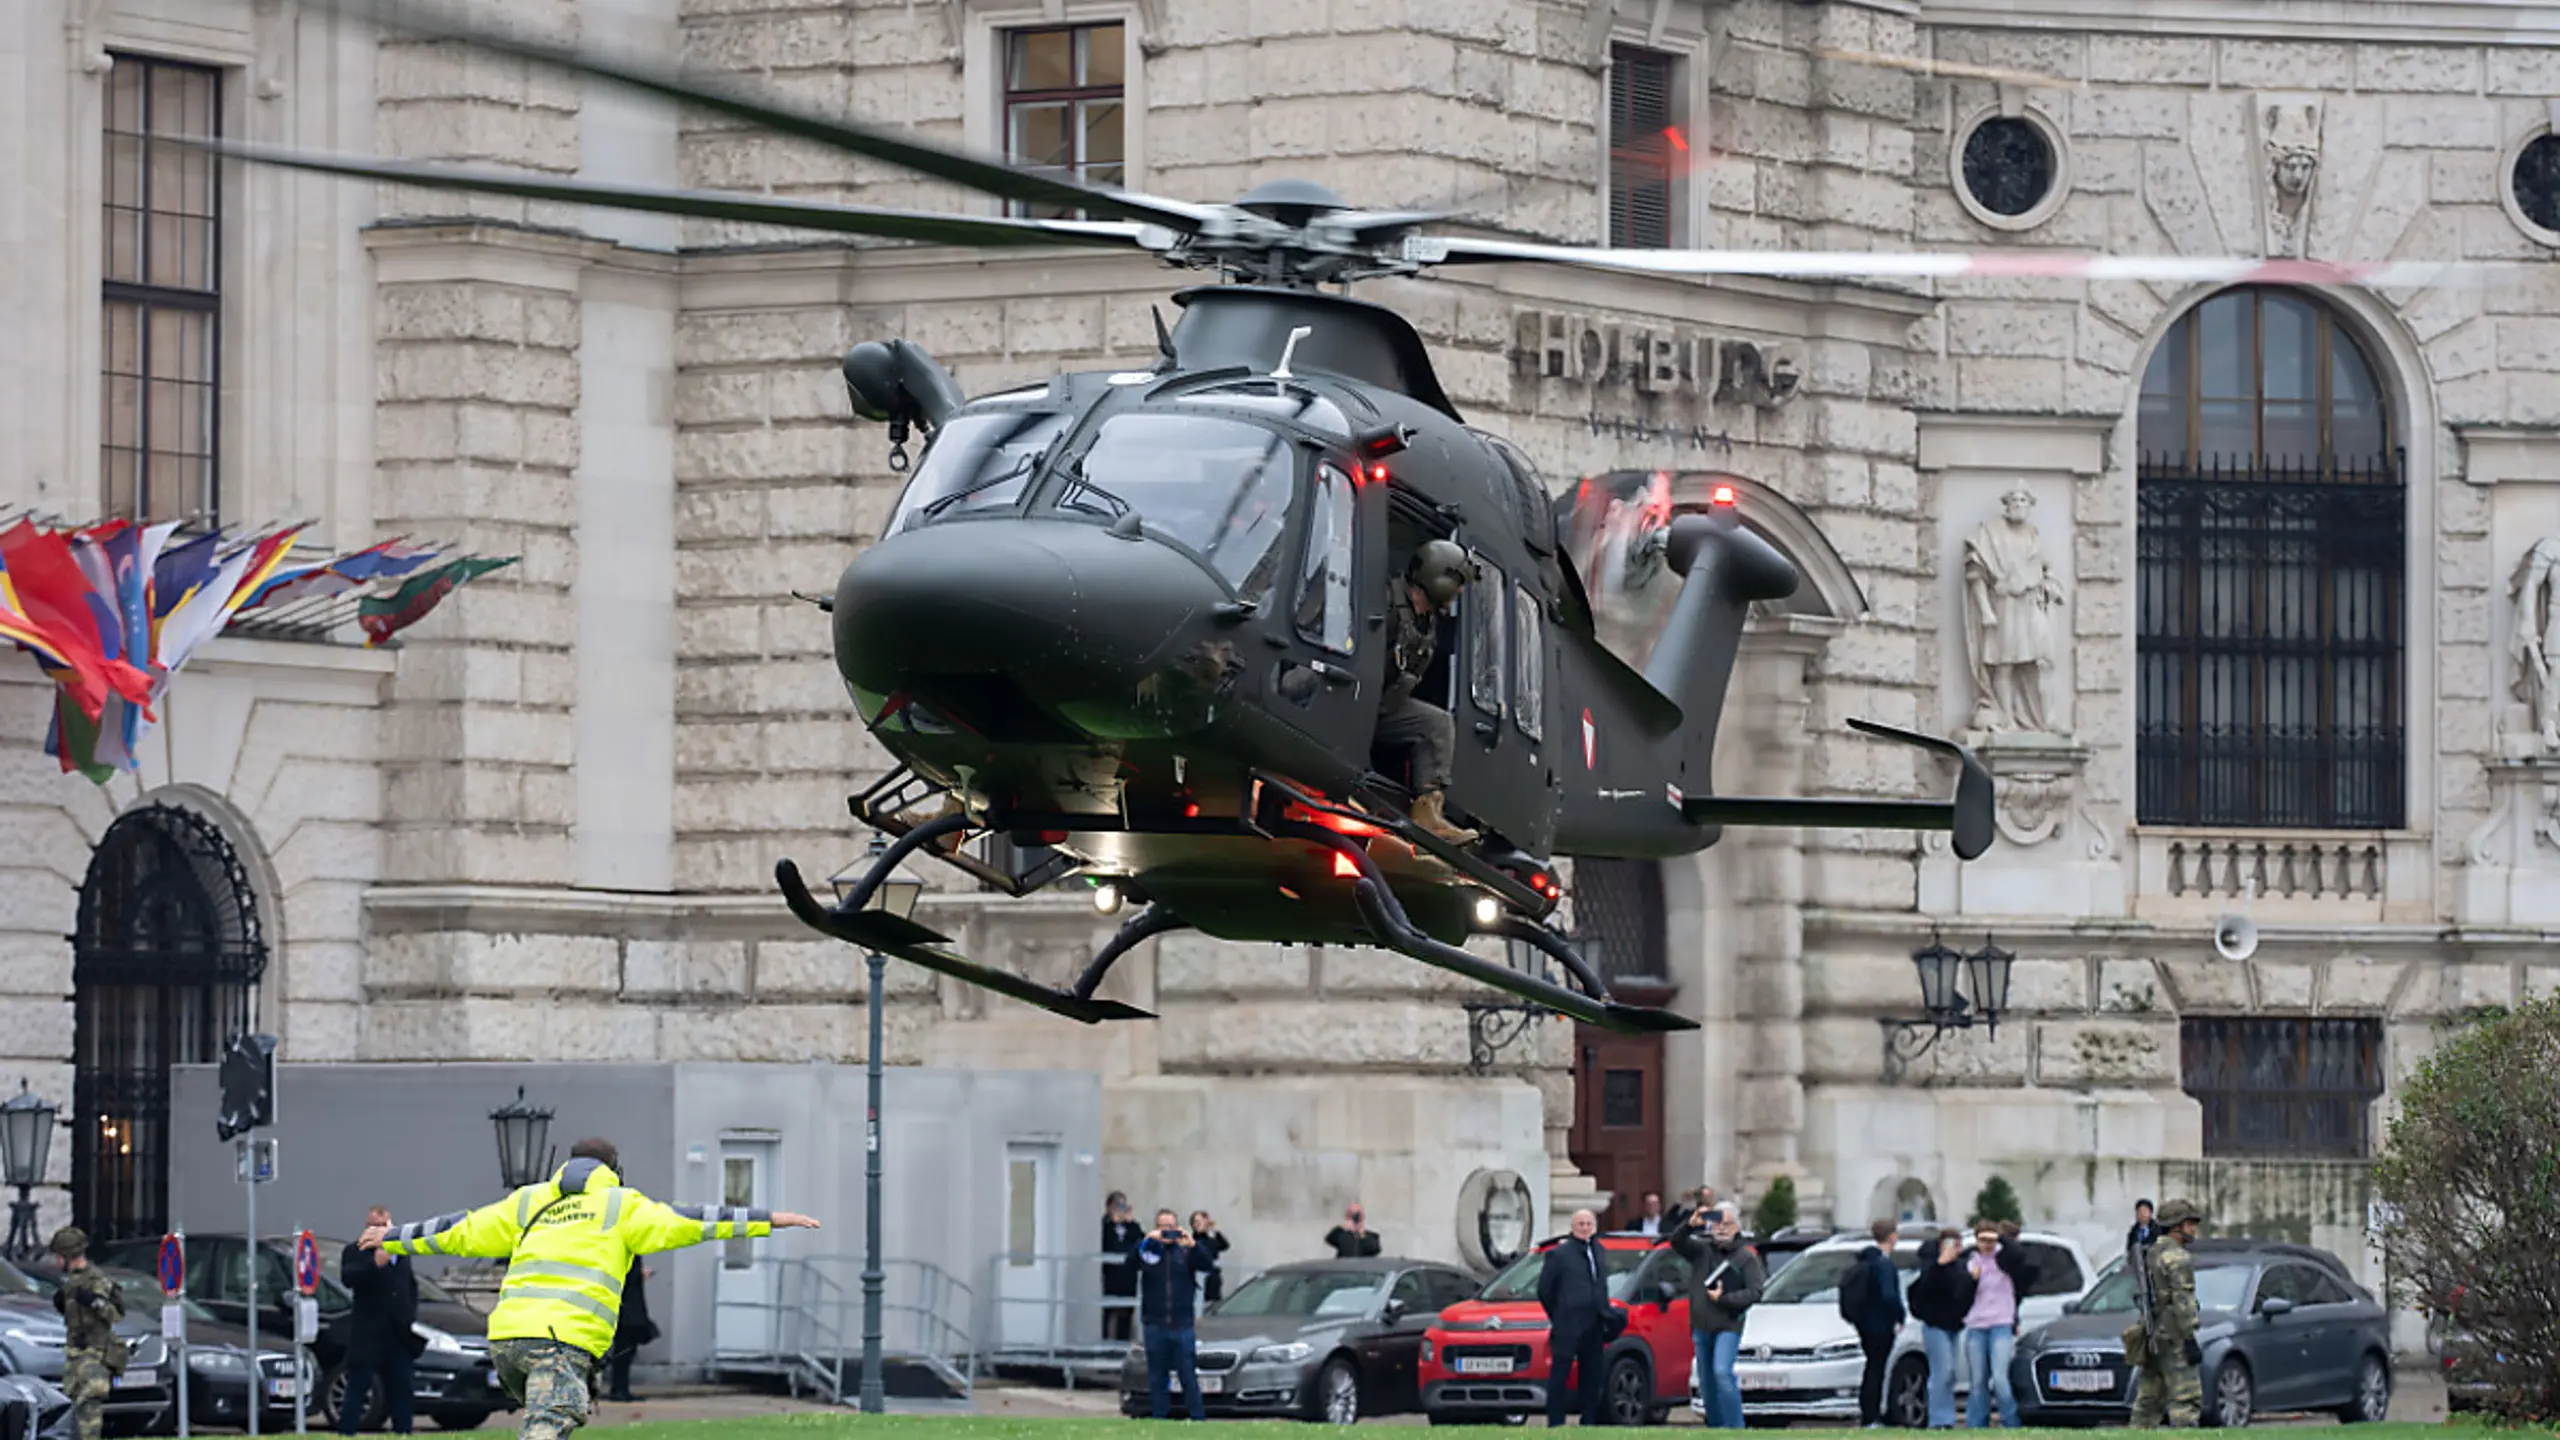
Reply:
x=51 y=591
x=337 y=577
x=180 y=570
x=385 y=616
x=200 y=615
x=265 y=555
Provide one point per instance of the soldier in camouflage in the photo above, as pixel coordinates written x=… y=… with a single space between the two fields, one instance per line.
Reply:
x=2163 y=1344
x=93 y=1354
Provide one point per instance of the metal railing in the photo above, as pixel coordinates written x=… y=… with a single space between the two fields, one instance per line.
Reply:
x=1046 y=1313
x=808 y=1328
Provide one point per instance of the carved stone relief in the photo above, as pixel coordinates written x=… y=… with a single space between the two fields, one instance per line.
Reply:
x=2289 y=127
x=2012 y=617
x=2533 y=596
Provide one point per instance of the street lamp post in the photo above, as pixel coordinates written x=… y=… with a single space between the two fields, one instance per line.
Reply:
x=26 y=1135
x=524 y=1156
x=896 y=895
x=1944 y=1007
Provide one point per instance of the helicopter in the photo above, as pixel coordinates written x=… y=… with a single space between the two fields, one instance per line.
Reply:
x=1134 y=623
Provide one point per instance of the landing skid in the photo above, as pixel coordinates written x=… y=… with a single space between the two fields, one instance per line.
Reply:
x=887 y=934
x=884 y=808
x=1388 y=923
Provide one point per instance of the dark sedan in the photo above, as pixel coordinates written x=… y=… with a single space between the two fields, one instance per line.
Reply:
x=2284 y=1329
x=456 y=1387
x=1329 y=1340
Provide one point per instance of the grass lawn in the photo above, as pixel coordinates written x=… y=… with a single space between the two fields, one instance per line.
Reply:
x=939 y=1427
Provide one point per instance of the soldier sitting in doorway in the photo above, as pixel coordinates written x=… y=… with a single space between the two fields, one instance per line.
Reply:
x=1427 y=590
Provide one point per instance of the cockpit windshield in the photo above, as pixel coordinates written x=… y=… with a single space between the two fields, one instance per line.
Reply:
x=1220 y=487
x=978 y=462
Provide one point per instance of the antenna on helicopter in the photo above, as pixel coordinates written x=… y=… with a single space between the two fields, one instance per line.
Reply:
x=1281 y=371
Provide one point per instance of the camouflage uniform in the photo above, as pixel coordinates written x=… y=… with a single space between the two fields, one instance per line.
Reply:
x=92 y=1353
x=2169 y=1381
x=550 y=1378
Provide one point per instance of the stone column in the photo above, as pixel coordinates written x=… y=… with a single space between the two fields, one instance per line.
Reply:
x=1770 y=746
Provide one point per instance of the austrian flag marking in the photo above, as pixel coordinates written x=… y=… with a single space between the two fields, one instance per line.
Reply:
x=1590 y=743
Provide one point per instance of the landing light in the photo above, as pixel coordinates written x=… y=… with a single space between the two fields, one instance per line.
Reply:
x=1106 y=898
x=1488 y=910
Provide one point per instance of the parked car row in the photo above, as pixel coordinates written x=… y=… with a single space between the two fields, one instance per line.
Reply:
x=456 y=1387
x=2285 y=1328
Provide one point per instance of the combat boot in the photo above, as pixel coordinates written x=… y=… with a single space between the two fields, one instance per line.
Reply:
x=1427 y=814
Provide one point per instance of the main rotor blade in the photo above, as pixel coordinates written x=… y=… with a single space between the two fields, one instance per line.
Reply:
x=986 y=230
x=2038 y=264
x=993 y=177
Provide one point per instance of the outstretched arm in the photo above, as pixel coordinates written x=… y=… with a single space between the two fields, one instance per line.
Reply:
x=650 y=1226
x=488 y=1232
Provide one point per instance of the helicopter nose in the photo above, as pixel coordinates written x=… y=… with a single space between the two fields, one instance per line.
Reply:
x=1064 y=611
x=944 y=601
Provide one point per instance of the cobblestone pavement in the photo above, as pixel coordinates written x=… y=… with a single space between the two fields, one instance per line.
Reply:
x=2418 y=1397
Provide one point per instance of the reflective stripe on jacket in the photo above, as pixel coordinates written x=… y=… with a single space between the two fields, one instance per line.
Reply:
x=568 y=1243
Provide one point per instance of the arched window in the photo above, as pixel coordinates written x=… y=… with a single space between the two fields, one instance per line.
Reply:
x=2271 y=544
x=166 y=955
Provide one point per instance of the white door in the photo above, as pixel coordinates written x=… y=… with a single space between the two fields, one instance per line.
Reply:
x=1029 y=1277
x=747 y=1286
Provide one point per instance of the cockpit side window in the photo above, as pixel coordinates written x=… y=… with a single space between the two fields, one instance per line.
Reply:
x=1325 y=576
x=977 y=463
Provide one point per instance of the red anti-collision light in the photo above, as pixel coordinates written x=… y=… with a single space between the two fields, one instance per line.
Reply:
x=1721 y=495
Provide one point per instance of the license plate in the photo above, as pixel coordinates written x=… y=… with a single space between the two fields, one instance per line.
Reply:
x=1209 y=1384
x=2096 y=1381
x=1761 y=1382
x=280 y=1389
x=137 y=1379
x=1485 y=1365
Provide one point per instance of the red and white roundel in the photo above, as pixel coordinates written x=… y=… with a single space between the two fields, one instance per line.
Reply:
x=1590 y=743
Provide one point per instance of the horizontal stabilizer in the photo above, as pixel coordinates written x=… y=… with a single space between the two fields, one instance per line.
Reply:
x=905 y=939
x=1967 y=816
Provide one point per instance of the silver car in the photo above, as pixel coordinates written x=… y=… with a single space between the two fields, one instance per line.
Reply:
x=32 y=1339
x=2282 y=1328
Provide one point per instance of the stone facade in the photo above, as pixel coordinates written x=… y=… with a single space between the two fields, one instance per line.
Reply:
x=544 y=827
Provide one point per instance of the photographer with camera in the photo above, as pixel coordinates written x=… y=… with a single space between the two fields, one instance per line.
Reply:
x=1169 y=1265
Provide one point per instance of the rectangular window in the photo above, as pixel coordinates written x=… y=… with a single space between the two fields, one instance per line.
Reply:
x=2280 y=1089
x=738 y=1187
x=1529 y=708
x=1326 y=573
x=162 y=308
x=1482 y=614
x=1063 y=92
x=1647 y=143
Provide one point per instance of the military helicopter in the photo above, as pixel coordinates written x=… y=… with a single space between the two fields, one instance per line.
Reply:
x=1133 y=623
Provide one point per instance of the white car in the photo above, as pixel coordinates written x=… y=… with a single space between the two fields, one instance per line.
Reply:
x=1800 y=1361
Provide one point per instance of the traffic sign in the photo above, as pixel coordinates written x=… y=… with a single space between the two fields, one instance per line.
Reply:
x=306 y=1263
x=173 y=1267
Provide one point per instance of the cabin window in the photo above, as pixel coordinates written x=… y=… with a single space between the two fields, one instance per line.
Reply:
x=1303 y=407
x=1325 y=576
x=1529 y=690
x=1485 y=629
x=1218 y=488
x=977 y=463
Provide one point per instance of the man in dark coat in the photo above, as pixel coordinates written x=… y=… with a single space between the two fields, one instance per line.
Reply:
x=1120 y=1235
x=632 y=1331
x=1573 y=1288
x=1168 y=1295
x=1727 y=1277
x=1871 y=1301
x=381 y=1339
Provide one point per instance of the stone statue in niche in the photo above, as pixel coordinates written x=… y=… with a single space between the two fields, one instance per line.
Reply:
x=2290 y=129
x=2535 y=597
x=2011 y=599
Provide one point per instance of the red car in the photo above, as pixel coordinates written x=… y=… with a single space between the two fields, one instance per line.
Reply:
x=1485 y=1361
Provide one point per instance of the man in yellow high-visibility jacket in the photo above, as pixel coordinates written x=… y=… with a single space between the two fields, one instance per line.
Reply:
x=568 y=1243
